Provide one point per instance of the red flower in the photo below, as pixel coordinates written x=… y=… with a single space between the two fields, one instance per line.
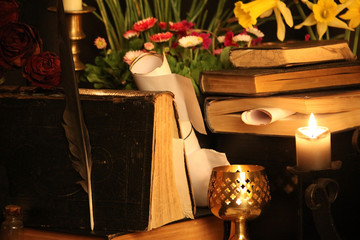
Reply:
x=256 y=41
x=217 y=51
x=43 y=70
x=206 y=39
x=130 y=34
x=307 y=37
x=144 y=24
x=161 y=37
x=9 y=12
x=18 y=42
x=181 y=27
x=162 y=25
x=229 y=39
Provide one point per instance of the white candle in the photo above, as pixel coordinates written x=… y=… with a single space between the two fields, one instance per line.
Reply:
x=313 y=147
x=72 y=5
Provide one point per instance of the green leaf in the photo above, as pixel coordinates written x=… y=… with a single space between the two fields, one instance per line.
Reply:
x=224 y=57
x=136 y=44
x=100 y=61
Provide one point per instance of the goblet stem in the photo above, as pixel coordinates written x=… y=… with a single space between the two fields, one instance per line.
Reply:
x=239 y=230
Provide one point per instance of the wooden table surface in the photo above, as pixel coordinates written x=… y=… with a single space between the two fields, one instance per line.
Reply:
x=209 y=228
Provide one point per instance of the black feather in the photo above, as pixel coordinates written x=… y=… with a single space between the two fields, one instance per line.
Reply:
x=73 y=120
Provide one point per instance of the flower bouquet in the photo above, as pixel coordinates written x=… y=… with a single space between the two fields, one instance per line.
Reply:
x=190 y=46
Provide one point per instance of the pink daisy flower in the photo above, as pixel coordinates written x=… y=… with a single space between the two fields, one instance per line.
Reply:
x=144 y=24
x=130 y=34
x=161 y=37
x=217 y=51
x=100 y=43
x=149 y=46
x=131 y=55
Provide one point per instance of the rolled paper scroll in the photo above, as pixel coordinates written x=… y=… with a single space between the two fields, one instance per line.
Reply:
x=151 y=72
x=263 y=116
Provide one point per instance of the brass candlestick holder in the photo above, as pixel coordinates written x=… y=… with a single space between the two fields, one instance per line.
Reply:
x=74 y=23
x=238 y=193
x=320 y=193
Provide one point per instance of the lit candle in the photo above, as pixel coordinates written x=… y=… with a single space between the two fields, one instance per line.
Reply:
x=313 y=147
x=72 y=5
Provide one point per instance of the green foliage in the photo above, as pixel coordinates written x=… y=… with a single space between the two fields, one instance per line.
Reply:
x=109 y=71
x=192 y=69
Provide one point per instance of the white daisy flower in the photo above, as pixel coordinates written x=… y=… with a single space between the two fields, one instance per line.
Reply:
x=242 y=38
x=190 y=41
x=255 y=31
x=221 y=39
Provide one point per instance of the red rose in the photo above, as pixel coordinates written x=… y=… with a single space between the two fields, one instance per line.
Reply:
x=18 y=42
x=9 y=11
x=43 y=70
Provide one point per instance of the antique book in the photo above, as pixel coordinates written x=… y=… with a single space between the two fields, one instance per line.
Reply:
x=268 y=81
x=232 y=123
x=337 y=110
x=291 y=53
x=306 y=103
x=139 y=173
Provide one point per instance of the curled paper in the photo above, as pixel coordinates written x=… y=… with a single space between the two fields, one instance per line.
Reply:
x=151 y=72
x=263 y=116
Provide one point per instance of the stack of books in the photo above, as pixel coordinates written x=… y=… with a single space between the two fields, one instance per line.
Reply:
x=320 y=77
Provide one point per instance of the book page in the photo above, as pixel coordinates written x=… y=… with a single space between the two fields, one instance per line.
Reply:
x=264 y=116
x=181 y=178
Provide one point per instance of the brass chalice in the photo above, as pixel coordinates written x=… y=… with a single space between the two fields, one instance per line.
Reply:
x=238 y=193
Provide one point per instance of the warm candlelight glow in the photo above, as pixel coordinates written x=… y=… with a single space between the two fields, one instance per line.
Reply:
x=313 y=146
x=312 y=131
x=72 y=5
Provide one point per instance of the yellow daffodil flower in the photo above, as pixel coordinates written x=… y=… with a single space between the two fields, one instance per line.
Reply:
x=247 y=14
x=324 y=15
x=353 y=14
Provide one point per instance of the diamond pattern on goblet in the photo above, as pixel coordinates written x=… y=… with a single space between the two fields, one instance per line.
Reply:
x=238 y=193
x=239 y=190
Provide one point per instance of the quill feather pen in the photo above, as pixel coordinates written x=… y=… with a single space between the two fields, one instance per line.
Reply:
x=73 y=120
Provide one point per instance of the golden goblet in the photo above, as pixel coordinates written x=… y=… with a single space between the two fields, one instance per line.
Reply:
x=238 y=193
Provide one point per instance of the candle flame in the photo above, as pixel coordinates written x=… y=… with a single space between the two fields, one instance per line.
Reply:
x=312 y=124
x=313 y=130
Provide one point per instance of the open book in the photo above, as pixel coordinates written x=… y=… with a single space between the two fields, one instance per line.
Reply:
x=337 y=110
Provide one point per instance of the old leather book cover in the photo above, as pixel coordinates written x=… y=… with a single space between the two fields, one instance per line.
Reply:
x=132 y=137
x=291 y=53
x=284 y=80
